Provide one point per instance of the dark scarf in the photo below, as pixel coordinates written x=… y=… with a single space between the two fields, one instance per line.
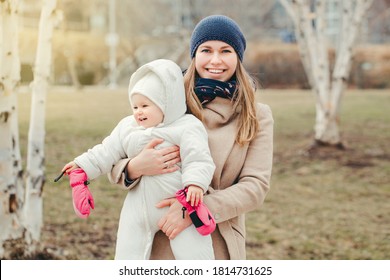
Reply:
x=208 y=89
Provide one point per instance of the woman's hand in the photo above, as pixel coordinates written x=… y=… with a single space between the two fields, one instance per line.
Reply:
x=173 y=223
x=154 y=162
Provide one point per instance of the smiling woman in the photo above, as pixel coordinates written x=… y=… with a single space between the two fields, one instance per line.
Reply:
x=221 y=93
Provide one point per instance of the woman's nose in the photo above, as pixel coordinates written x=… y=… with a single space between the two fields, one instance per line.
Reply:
x=215 y=59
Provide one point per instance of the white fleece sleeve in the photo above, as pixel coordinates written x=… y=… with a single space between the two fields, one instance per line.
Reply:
x=101 y=158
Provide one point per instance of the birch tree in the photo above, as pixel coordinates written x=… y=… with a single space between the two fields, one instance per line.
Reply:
x=327 y=84
x=33 y=208
x=21 y=213
x=11 y=188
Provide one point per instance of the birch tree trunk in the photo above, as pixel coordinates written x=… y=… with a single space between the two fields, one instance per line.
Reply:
x=33 y=208
x=11 y=183
x=309 y=28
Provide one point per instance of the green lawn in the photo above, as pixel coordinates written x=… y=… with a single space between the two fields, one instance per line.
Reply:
x=331 y=205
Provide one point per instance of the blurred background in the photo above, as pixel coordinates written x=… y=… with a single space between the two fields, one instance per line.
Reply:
x=102 y=42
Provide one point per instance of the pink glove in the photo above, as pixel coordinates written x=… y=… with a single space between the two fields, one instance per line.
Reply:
x=200 y=215
x=82 y=197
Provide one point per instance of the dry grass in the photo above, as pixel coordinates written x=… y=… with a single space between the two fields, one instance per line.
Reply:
x=331 y=205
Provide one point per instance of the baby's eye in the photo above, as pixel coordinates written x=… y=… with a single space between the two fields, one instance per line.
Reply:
x=144 y=106
x=135 y=108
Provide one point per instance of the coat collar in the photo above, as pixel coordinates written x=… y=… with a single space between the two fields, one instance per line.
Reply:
x=218 y=112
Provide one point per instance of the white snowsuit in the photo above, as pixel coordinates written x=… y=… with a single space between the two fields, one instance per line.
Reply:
x=139 y=216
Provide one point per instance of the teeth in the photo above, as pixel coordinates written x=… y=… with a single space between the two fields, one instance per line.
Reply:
x=215 y=71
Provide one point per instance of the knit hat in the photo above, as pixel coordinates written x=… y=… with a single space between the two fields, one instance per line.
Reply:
x=219 y=28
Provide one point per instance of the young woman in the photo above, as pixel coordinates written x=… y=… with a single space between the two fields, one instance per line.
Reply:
x=221 y=93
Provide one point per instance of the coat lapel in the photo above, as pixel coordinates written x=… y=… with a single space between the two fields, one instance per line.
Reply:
x=221 y=126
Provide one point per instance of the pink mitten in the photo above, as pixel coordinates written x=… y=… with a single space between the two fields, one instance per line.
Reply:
x=82 y=197
x=200 y=215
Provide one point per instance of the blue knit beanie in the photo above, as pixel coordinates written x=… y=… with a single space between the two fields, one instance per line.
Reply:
x=219 y=28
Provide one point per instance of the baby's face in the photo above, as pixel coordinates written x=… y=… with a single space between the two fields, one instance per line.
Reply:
x=146 y=112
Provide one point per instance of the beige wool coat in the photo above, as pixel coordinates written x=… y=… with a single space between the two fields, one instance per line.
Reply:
x=240 y=183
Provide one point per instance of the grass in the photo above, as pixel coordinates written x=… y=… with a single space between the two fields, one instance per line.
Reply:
x=330 y=205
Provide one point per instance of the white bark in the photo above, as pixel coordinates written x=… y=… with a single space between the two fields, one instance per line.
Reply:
x=20 y=214
x=33 y=208
x=309 y=27
x=11 y=188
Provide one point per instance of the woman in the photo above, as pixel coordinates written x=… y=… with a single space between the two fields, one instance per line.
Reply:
x=222 y=94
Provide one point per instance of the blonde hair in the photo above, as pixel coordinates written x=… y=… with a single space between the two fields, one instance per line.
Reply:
x=248 y=125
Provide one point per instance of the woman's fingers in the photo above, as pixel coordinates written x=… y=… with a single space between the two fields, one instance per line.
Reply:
x=170 y=169
x=171 y=230
x=171 y=153
x=172 y=223
x=172 y=157
x=152 y=161
x=165 y=203
x=153 y=143
x=173 y=234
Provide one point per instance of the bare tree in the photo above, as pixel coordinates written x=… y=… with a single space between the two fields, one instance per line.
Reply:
x=21 y=215
x=11 y=189
x=33 y=216
x=309 y=20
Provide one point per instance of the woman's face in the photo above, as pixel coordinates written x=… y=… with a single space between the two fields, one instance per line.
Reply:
x=216 y=60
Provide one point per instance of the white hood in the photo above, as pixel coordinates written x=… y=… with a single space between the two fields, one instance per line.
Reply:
x=162 y=82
